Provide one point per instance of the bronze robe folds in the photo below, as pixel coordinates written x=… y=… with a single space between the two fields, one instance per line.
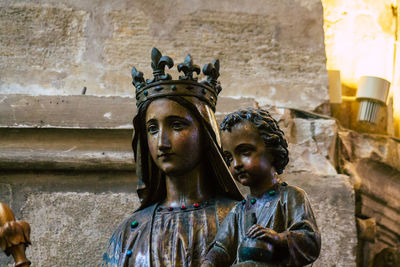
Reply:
x=285 y=210
x=156 y=236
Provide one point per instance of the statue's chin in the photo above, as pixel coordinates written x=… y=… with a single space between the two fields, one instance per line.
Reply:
x=251 y=249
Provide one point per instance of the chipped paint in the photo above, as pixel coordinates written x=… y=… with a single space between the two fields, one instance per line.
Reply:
x=71 y=149
x=107 y=115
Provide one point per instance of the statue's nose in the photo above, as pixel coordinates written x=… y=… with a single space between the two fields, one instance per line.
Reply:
x=164 y=143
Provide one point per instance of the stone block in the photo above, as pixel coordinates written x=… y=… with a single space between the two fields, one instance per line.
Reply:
x=312 y=145
x=6 y=194
x=72 y=229
x=40 y=46
x=379 y=148
x=262 y=53
x=372 y=161
x=367 y=229
x=332 y=199
x=58 y=48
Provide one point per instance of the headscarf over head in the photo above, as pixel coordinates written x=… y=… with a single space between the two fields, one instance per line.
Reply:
x=200 y=99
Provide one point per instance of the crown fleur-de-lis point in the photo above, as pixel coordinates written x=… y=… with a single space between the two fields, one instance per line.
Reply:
x=188 y=68
x=211 y=70
x=162 y=84
x=137 y=78
x=158 y=63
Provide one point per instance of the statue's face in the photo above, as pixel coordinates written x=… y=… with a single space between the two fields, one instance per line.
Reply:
x=248 y=158
x=174 y=137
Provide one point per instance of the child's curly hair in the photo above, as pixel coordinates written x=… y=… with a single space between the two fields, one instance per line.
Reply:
x=268 y=128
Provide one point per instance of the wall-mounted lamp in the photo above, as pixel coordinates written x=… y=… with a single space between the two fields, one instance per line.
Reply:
x=372 y=93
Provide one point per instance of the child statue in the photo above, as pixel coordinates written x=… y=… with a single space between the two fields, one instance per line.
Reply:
x=275 y=224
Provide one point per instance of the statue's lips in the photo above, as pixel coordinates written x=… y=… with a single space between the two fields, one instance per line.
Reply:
x=242 y=175
x=164 y=155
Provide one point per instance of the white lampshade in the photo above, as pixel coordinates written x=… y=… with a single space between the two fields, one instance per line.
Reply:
x=372 y=93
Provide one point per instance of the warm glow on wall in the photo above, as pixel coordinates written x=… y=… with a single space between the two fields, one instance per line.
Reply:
x=359 y=38
x=359 y=41
x=396 y=92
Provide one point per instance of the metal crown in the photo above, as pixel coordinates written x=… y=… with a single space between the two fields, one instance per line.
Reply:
x=187 y=85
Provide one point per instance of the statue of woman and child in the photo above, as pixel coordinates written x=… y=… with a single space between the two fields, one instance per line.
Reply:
x=191 y=212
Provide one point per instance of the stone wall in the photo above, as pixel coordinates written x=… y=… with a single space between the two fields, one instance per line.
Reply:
x=268 y=49
x=373 y=165
x=66 y=164
x=74 y=181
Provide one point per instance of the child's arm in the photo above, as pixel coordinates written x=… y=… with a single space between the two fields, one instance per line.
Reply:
x=258 y=232
x=216 y=256
x=300 y=244
x=278 y=241
x=222 y=251
x=302 y=235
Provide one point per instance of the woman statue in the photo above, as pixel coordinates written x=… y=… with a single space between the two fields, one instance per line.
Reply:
x=184 y=185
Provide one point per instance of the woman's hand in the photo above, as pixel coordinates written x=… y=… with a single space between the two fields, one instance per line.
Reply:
x=266 y=234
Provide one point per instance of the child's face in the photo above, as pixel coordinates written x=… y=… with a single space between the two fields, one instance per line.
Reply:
x=249 y=160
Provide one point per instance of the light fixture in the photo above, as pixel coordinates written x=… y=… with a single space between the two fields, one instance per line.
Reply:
x=372 y=93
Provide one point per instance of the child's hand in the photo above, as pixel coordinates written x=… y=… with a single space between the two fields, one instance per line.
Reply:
x=261 y=233
x=206 y=263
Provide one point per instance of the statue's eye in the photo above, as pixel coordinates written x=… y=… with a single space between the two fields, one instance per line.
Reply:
x=178 y=125
x=246 y=153
x=246 y=150
x=228 y=158
x=152 y=129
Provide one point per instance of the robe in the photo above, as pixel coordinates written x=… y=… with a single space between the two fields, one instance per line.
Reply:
x=156 y=236
x=286 y=210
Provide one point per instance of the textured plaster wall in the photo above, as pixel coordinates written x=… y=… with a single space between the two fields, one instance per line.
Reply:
x=72 y=214
x=271 y=50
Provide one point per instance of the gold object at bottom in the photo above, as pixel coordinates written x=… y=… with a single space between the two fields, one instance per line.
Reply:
x=14 y=236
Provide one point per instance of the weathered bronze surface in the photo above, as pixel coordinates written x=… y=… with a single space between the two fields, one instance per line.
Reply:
x=14 y=236
x=184 y=185
x=387 y=257
x=274 y=225
x=288 y=211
